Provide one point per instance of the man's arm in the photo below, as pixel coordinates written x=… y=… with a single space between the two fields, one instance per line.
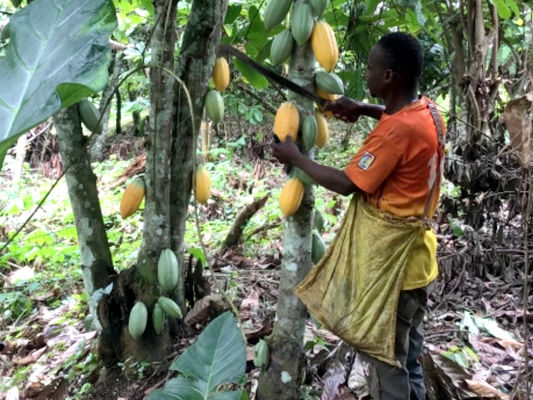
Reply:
x=349 y=110
x=332 y=179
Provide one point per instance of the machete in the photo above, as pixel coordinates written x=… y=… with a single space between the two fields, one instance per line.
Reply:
x=224 y=48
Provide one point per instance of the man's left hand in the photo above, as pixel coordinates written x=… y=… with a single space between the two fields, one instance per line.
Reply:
x=286 y=152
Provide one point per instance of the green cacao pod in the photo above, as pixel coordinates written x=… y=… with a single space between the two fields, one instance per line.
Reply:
x=170 y=307
x=90 y=116
x=301 y=175
x=214 y=105
x=281 y=48
x=309 y=132
x=167 y=270
x=275 y=12
x=158 y=318
x=318 y=248
x=261 y=354
x=302 y=23
x=137 y=321
x=329 y=82
x=319 y=221
x=319 y=6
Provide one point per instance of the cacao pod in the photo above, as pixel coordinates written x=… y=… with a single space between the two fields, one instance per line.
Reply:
x=167 y=270
x=261 y=354
x=287 y=121
x=214 y=105
x=275 y=12
x=319 y=221
x=291 y=196
x=302 y=23
x=132 y=198
x=322 y=135
x=90 y=116
x=301 y=175
x=281 y=48
x=324 y=45
x=137 y=320
x=309 y=132
x=202 y=188
x=221 y=74
x=170 y=307
x=319 y=6
x=327 y=96
x=329 y=82
x=158 y=318
x=318 y=248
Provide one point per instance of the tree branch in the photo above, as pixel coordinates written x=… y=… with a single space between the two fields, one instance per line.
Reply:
x=235 y=233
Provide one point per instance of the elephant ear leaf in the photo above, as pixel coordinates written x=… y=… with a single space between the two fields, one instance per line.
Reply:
x=57 y=54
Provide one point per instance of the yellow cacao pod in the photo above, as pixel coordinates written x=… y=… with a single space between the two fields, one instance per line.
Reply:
x=202 y=185
x=322 y=135
x=287 y=121
x=324 y=45
x=291 y=196
x=221 y=75
x=132 y=198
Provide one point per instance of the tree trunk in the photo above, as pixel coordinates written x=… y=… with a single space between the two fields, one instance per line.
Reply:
x=194 y=67
x=283 y=377
x=96 y=262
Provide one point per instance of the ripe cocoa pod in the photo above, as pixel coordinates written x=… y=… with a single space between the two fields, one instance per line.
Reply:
x=221 y=74
x=324 y=45
x=322 y=136
x=202 y=189
x=132 y=198
x=291 y=196
x=287 y=121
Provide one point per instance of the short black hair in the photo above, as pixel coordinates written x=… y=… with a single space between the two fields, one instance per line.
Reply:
x=403 y=55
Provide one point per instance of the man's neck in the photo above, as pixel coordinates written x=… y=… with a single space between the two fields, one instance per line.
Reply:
x=394 y=102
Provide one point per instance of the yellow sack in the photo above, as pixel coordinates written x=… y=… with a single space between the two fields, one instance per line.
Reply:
x=353 y=291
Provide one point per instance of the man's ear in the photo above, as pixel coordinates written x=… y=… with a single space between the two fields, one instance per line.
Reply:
x=389 y=74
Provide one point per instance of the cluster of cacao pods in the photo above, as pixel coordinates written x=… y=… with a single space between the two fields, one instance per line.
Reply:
x=214 y=103
x=138 y=318
x=305 y=26
x=168 y=276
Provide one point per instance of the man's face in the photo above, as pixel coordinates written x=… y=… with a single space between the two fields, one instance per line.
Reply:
x=376 y=71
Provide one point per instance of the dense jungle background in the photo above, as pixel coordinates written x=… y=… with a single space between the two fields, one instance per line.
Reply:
x=71 y=268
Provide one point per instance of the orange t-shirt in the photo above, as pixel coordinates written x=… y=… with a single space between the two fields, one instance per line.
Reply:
x=396 y=167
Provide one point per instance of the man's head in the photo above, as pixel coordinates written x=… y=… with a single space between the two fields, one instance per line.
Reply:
x=397 y=59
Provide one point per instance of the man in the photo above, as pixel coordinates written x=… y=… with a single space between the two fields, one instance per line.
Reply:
x=397 y=170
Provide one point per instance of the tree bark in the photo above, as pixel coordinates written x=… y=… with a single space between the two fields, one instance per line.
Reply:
x=96 y=262
x=194 y=68
x=283 y=378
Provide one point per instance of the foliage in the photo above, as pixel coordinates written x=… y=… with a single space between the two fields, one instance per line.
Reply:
x=33 y=87
x=218 y=357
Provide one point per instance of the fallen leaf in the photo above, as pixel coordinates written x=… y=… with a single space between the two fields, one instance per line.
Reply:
x=332 y=380
x=484 y=389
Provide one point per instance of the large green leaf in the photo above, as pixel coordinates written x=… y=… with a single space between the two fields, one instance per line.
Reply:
x=58 y=54
x=217 y=357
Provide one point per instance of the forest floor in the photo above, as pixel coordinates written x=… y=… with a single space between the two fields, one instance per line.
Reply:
x=475 y=324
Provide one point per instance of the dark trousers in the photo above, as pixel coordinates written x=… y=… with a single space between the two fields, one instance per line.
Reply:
x=405 y=383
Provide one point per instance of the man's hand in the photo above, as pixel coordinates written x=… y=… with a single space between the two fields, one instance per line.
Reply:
x=344 y=108
x=286 y=152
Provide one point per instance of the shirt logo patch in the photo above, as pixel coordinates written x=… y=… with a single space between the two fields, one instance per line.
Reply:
x=366 y=161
